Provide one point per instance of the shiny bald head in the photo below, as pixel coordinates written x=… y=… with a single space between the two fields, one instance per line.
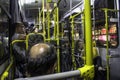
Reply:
x=41 y=59
x=39 y=50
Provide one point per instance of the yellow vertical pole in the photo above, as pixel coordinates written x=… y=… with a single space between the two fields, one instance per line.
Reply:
x=54 y=26
x=88 y=33
x=54 y=21
x=43 y=18
x=48 y=19
x=107 y=45
x=83 y=29
x=57 y=25
x=73 y=44
x=39 y=18
x=6 y=72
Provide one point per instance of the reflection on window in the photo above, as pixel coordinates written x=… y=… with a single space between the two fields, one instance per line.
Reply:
x=100 y=35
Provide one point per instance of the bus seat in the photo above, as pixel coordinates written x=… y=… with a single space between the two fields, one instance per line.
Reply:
x=19 y=54
x=19 y=50
x=33 y=38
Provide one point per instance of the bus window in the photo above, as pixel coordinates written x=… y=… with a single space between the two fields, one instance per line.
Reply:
x=100 y=35
x=4 y=32
x=100 y=32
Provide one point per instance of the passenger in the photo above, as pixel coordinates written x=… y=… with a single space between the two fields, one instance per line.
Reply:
x=100 y=73
x=20 y=33
x=36 y=29
x=19 y=50
x=30 y=28
x=41 y=60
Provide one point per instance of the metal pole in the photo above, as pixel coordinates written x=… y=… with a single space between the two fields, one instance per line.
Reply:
x=43 y=18
x=55 y=6
x=80 y=3
x=6 y=73
x=39 y=18
x=107 y=45
x=58 y=43
x=83 y=32
x=54 y=15
x=73 y=43
x=48 y=19
x=88 y=33
x=77 y=14
x=54 y=76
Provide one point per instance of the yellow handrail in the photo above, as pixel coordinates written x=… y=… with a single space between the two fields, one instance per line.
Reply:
x=6 y=72
x=27 y=38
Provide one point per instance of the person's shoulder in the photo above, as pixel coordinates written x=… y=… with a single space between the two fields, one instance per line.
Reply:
x=15 y=36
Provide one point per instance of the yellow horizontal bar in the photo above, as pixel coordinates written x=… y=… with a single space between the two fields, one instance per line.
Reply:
x=32 y=34
x=17 y=41
x=113 y=10
x=73 y=16
x=77 y=14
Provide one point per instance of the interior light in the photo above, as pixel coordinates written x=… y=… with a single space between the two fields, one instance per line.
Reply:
x=77 y=10
x=29 y=1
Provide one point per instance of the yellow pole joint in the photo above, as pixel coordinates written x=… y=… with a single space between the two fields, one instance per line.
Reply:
x=87 y=72
x=5 y=74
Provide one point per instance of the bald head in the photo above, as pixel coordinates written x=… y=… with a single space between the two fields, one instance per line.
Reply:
x=40 y=49
x=41 y=60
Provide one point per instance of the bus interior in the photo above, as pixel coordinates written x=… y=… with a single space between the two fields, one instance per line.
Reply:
x=80 y=30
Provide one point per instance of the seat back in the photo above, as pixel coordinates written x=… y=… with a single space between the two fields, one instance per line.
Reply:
x=32 y=39
x=19 y=50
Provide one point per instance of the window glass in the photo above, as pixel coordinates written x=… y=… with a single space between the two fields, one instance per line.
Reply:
x=99 y=32
x=100 y=35
x=4 y=31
